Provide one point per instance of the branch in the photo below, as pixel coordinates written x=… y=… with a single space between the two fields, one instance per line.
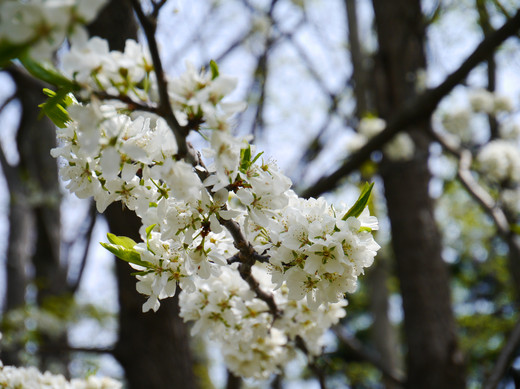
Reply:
x=472 y=186
x=247 y=256
x=504 y=359
x=318 y=372
x=132 y=105
x=165 y=110
x=59 y=349
x=360 y=351
x=88 y=239
x=417 y=110
x=157 y=5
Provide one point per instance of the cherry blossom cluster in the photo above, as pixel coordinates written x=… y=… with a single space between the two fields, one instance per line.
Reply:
x=315 y=250
x=458 y=122
x=254 y=344
x=41 y=26
x=117 y=146
x=400 y=148
x=32 y=378
x=498 y=159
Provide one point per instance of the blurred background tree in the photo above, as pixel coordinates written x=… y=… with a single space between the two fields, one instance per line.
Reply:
x=439 y=308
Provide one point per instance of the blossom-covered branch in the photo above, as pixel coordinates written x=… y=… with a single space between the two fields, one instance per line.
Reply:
x=261 y=270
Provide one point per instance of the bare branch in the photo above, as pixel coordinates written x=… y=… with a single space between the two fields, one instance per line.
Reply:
x=132 y=105
x=157 y=5
x=88 y=238
x=165 y=110
x=360 y=351
x=59 y=349
x=504 y=359
x=472 y=186
x=318 y=372
x=7 y=101
x=417 y=110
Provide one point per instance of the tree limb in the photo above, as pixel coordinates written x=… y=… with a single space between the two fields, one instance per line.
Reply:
x=417 y=110
x=360 y=351
x=472 y=186
x=504 y=359
x=165 y=109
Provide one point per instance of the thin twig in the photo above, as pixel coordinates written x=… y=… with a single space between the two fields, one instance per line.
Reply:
x=504 y=359
x=318 y=372
x=157 y=5
x=360 y=351
x=132 y=104
x=58 y=349
x=8 y=101
x=88 y=238
x=165 y=109
x=472 y=186
x=417 y=110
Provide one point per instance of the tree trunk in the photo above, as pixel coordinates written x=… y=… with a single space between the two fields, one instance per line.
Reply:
x=433 y=360
x=383 y=334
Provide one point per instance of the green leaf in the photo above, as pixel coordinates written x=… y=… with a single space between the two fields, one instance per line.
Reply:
x=141 y=273
x=148 y=234
x=361 y=202
x=125 y=254
x=256 y=157
x=46 y=72
x=214 y=69
x=8 y=52
x=149 y=230
x=245 y=159
x=55 y=107
x=123 y=241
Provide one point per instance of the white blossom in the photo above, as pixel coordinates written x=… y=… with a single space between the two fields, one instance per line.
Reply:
x=500 y=160
x=482 y=100
x=32 y=378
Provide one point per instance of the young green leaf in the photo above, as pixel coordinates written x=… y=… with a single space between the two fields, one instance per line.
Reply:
x=214 y=69
x=127 y=255
x=55 y=107
x=8 y=52
x=123 y=241
x=361 y=202
x=149 y=230
x=46 y=72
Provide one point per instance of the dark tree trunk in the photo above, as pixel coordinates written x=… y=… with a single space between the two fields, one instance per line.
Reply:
x=153 y=348
x=433 y=360
x=383 y=333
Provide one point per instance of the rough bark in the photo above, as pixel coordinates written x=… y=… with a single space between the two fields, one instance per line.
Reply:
x=359 y=75
x=433 y=359
x=384 y=335
x=153 y=348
